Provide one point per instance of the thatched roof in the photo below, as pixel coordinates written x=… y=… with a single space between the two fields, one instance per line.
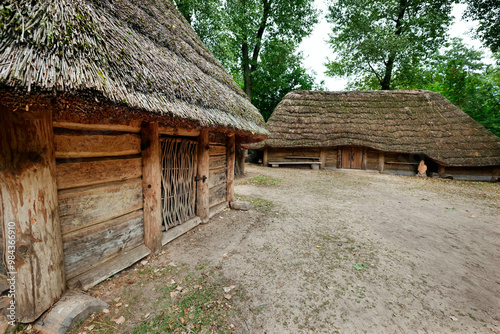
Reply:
x=142 y=54
x=420 y=122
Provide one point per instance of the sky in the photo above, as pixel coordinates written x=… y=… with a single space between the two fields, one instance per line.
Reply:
x=316 y=50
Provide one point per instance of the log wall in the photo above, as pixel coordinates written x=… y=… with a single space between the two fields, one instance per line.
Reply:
x=100 y=202
x=217 y=176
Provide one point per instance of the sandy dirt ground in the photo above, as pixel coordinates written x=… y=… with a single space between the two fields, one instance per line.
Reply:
x=356 y=252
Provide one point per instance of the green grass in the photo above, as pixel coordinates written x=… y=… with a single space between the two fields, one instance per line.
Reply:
x=263 y=181
x=257 y=202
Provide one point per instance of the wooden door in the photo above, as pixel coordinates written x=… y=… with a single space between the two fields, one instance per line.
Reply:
x=352 y=157
x=179 y=158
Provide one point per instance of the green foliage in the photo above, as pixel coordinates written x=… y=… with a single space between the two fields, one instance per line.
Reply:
x=280 y=72
x=374 y=39
x=487 y=12
x=247 y=36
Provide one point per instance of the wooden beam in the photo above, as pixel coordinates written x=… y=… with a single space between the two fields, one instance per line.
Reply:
x=381 y=159
x=132 y=128
x=231 y=156
x=151 y=185
x=364 y=159
x=81 y=174
x=339 y=157
x=265 y=159
x=29 y=206
x=170 y=131
x=322 y=158
x=80 y=145
x=203 y=194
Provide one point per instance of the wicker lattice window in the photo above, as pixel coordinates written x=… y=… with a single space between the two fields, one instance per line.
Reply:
x=178 y=188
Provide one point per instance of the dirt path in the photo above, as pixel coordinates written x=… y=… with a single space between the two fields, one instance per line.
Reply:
x=356 y=252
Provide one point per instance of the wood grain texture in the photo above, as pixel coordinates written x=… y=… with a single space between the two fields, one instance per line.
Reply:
x=203 y=194
x=28 y=198
x=231 y=156
x=218 y=194
x=86 y=248
x=81 y=145
x=217 y=162
x=265 y=159
x=80 y=174
x=217 y=150
x=134 y=127
x=151 y=186
x=217 y=177
x=169 y=131
x=106 y=269
x=381 y=161
x=83 y=207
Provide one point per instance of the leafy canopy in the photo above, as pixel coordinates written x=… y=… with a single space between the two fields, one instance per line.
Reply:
x=245 y=35
x=375 y=39
x=487 y=12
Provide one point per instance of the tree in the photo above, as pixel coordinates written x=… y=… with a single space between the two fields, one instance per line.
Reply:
x=487 y=12
x=245 y=26
x=378 y=39
x=280 y=72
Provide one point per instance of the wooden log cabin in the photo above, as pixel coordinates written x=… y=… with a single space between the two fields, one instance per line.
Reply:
x=386 y=131
x=117 y=134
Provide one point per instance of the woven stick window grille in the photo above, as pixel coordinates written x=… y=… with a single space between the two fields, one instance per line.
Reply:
x=178 y=159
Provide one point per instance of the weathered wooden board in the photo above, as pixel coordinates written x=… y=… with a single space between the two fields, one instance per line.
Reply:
x=231 y=156
x=203 y=193
x=218 y=194
x=169 y=131
x=80 y=174
x=80 y=145
x=151 y=185
x=217 y=150
x=179 y=230
x=88 y=247
x=82 y=207
x=29 y=205
x=108 y=268
x=218 y=161
x=216 y=177
x=217 y=208
x=133 y=127
x=217 y=138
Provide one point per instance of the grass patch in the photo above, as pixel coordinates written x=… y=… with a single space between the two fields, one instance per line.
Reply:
x=263 y=181
x=259 y=204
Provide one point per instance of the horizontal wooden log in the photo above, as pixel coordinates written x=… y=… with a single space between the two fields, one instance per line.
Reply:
x=165 y=130
x=217 y=177
x=217 y=208
x=217 y=162
x=85 y=248
x=80 y=174
x=217 y=150
x=217 y=194
x=83 y=207
x=106 y=269
x=79 y=145
x=179 y=230
x=300 y=157
x=131 y=127
x=217 y=138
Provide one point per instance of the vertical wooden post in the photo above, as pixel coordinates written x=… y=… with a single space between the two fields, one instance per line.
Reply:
x=230 y=166
x=364 y=159
x=203 y=194
x=242 y=161
x=265 y=160
x=441 y=169
x=381 y=161
x=29 y=206
x=322 y=158
x=151 y=185
x=339 y=157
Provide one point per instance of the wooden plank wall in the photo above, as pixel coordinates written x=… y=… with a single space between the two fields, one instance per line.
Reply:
x=279 y=154
x=397 y=162
x=217 y=176
x=100 y=196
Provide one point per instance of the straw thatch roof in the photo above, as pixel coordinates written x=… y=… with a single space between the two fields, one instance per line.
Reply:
x=142 y=54
x=420 y=122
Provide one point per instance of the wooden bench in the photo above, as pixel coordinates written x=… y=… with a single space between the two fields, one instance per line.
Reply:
x=313 y=164
x=298 y=157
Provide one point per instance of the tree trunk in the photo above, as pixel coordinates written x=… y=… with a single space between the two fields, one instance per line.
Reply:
x=29 y=210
